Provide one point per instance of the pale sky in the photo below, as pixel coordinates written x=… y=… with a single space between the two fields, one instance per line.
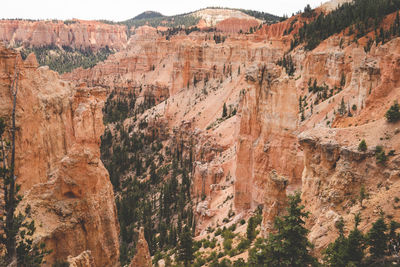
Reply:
x=118 y=10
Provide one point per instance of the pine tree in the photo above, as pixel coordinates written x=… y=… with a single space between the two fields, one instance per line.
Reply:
x=356 y=243
x=251 y=229
x=185 y=249
x=377 y=239
x=393 y=114
x=224 y=111
x=346 y=251
x=342 y=108
x=362 y=147
x=289 y=246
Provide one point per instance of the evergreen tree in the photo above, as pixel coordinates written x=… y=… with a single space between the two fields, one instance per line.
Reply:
x=224 y=111
x=393 y=114
x=346 y=251
x=185 y=249
x=362 y=147
x=356 y=243
x=342 y=109
x=377 y=239
x=289 y=246
x=251 y=229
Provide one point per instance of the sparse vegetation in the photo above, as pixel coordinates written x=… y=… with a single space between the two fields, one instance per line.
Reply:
x=287 y=63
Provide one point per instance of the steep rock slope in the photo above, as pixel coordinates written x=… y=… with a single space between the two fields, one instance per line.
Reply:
x=57 y=163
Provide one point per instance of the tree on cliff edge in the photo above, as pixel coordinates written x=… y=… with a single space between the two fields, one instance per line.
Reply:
x=16 y=230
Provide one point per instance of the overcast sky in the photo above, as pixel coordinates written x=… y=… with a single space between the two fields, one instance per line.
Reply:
x=118 y=10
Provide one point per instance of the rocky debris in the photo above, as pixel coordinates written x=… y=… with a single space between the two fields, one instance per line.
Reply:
x=142 y=257
x=203 y=209
x=84 y=259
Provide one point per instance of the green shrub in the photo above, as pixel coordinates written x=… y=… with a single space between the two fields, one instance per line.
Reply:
x=362 y=146
x=227 y=244
x=393 y=114
x=243 y=245
x=218 y=232
x=380 y=155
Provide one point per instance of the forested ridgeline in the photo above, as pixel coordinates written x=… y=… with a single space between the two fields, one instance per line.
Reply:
x=66 y=59
x=358 y=18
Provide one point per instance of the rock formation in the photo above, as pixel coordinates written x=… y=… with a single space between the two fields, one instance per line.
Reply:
x=142 y=257
x=57 y=162
x=84 y=259
x=275 y=201
x=212 y=17
x=78 y=34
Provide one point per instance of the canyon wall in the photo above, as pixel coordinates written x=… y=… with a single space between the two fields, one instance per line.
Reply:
x=235 y=155
x=58 y=161
x=334 y=170
x=78 y=34
x=261 y=150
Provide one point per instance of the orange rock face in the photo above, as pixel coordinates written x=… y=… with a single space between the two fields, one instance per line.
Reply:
x=235 y=25
x=84 y=259
x=267 y=140
x=77 y=34
x=58 y=161
x=142 y=257
x=275 y=201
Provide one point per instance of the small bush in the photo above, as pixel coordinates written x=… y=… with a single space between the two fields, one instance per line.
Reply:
x=381 y=157
x=243 y=245
x=362 y=146
x=218 y=232
x=227 y=244
x=393 y=114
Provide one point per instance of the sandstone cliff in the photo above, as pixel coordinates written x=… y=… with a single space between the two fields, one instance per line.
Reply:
x=57 y=163
x=78 y=34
